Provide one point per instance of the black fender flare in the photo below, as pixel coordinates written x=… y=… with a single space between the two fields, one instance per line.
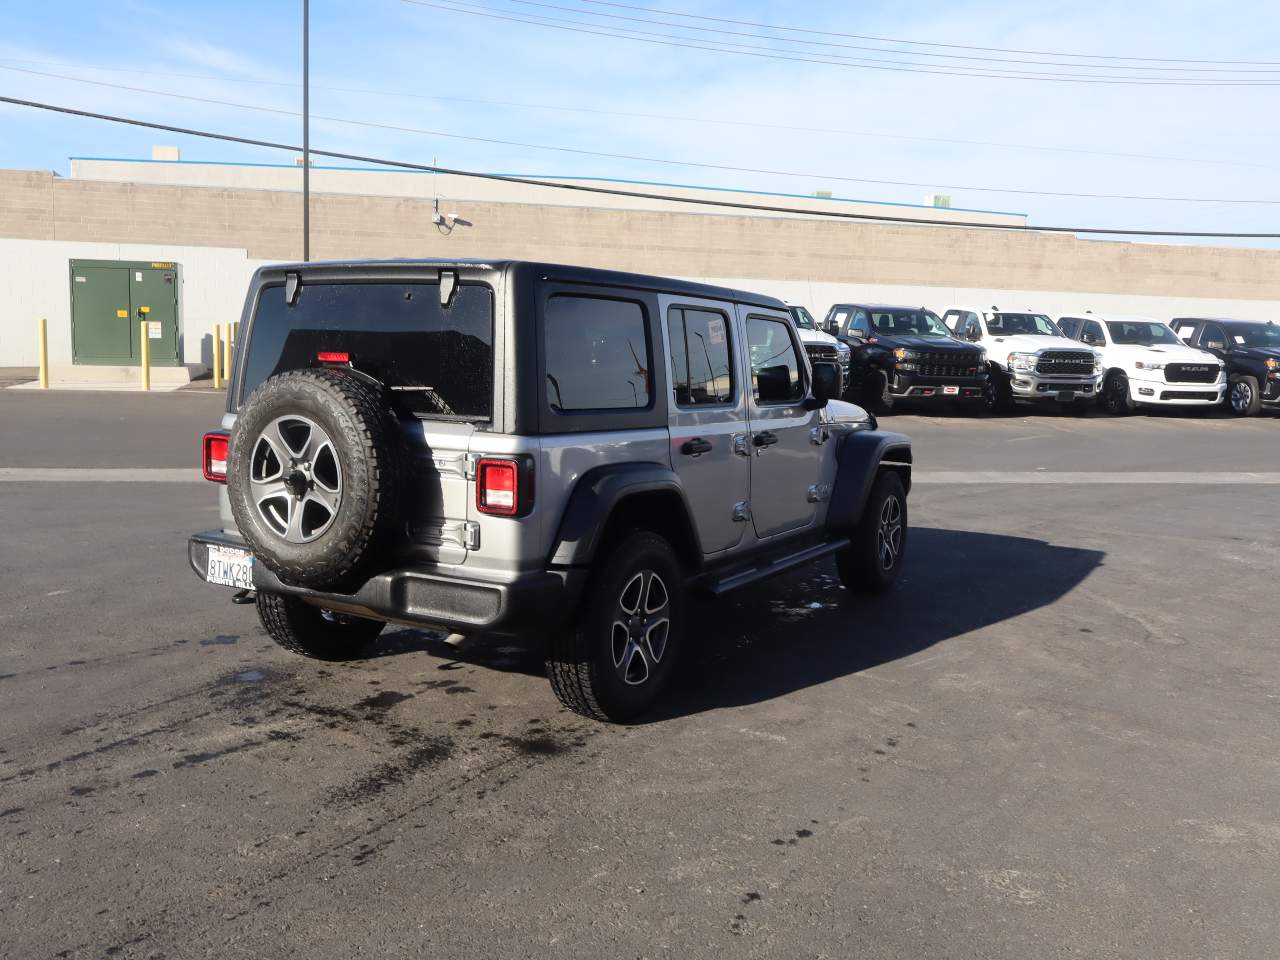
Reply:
x=858 y=461
x=594 y=498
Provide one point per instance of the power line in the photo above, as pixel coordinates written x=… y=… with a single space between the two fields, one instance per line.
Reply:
x=922 y=43
x=609 y=191
x=749 y=50
x=645 y=159
x=722 y=121
x=986 y=58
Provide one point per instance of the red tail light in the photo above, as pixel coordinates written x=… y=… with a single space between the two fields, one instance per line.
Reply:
x=216 y=446
x=504 y=488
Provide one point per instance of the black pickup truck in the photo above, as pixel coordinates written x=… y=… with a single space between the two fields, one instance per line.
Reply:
x=905 y=353
x=1251 y=351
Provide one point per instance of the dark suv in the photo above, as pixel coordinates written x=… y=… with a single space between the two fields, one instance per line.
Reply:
x=534 y=449
x=1251 y=351
x=905 y=353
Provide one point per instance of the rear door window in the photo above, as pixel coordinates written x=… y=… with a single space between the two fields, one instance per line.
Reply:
x=701 y=368
x=597 y=354
x=437 y=361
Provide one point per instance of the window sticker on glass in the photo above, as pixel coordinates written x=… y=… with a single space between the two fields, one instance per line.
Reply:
x=1239 y=339
x=716 y=330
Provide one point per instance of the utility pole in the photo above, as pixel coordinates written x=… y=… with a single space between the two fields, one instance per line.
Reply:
x=306 y=130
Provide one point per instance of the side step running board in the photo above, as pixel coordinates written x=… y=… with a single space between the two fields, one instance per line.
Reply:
x=768 y=567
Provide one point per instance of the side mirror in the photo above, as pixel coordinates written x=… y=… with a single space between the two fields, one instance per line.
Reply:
x=1091 y=339
x=826 y=385
x=973 y=335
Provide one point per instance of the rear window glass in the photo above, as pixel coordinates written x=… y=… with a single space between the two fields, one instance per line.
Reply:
x=437 y=361
x=701 y=370
x=597 y=354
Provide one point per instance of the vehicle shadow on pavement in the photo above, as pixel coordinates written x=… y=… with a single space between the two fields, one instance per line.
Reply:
x=804 y=630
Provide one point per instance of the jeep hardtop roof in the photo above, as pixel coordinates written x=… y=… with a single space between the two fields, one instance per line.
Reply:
x=560 y=272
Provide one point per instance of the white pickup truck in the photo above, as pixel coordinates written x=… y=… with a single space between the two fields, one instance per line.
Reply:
x=1144 y=363
x=1029 y=358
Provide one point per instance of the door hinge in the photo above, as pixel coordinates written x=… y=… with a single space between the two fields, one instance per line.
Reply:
x=469 y=462
x=819 y=492
x=742 y=511
x=471 y=535
x=741 y=445
x=818 y=435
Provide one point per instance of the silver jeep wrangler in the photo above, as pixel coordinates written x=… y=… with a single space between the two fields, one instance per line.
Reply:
x=533 y=448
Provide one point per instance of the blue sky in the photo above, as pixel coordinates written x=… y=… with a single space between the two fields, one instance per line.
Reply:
x=419 y=66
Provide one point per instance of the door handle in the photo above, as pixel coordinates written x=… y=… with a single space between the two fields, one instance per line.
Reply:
x=695 y=447
x=765 y=438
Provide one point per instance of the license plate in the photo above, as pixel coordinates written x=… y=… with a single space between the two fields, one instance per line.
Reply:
x=230 y=567
x=950 y=391
x=1065 y=396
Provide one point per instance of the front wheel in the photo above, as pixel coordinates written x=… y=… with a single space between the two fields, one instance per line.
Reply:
x=614 y=661
x=870 y=564
x=998 y=396
x=312 y=632
x=1243 y=396
x=1116 y=398
x=879 y=399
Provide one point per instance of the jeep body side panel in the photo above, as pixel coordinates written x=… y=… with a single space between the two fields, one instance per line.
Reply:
x=594 y=498
x=859 y=457
x=709 y=441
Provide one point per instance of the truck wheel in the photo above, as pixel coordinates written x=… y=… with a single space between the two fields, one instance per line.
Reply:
x=877 y=397
x=312 y=632
x=1243 y=396
x=615 y=660
x=870 y=564
x=1115 y=396
x=998 y=396
x=316 y=474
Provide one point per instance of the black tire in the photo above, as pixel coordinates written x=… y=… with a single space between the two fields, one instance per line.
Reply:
x=865 y=566
x=303 y=629
x=998 y=397
x=366 y=461
x=1243 y=398
x=609 y=674
x=1116 y=397
x=878 y=399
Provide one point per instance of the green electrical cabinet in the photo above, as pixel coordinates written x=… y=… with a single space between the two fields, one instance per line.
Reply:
x=110 y=299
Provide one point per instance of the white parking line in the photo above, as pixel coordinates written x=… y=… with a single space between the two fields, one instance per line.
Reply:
x=100 y=475
x=1080 y=477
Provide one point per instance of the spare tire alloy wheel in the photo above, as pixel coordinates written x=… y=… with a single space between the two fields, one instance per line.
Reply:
x=641 y=624
x=296 y=478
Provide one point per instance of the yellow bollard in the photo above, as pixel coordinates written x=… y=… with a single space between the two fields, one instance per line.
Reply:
x=42 y=337
x=145 y=358
x=226 y=357
x=217 y=356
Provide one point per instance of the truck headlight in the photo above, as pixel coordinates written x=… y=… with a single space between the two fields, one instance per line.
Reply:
x=1272 y=363
x=902 y=353
x=1022 y=361
x=842 y=350
x=1148 y=365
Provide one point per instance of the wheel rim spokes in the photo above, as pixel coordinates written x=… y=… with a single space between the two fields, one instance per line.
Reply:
x=296 y=479
x=889 y=533
x=641 y=627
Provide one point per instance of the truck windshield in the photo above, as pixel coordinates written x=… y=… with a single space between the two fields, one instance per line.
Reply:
x=1129 y=333
x=916 y=323
x=803 y=318
x=1026 y=324
x=1256 y=335
x=437 y=361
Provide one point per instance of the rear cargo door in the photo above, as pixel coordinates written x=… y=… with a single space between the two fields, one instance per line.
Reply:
x=440 y=490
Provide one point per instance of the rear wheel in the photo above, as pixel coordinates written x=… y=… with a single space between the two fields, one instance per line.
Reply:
x=870 y=564
x=1243 y=396
x=1116 y=398
x=312 y=632
x=615 y=660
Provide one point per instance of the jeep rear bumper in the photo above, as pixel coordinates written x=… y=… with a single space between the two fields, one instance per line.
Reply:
x=421 y=596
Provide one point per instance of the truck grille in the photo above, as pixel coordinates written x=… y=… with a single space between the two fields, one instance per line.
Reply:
x=1065 y=363
x=1191 y=373
x=953 y=365
x=827 y=354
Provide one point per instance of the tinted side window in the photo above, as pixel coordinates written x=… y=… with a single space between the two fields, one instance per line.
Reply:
x=1185 y=329
x=1094 y=329
x=1070 y=326
x=860 y=325
x=1213 y=337
x=597 y=354
x=701 y=368
x=775 y=365
x=951 y=318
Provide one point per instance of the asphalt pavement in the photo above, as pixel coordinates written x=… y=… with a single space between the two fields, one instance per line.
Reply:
x=1055 y=738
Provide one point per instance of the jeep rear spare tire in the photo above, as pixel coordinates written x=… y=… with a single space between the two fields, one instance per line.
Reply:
x=315 y=475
